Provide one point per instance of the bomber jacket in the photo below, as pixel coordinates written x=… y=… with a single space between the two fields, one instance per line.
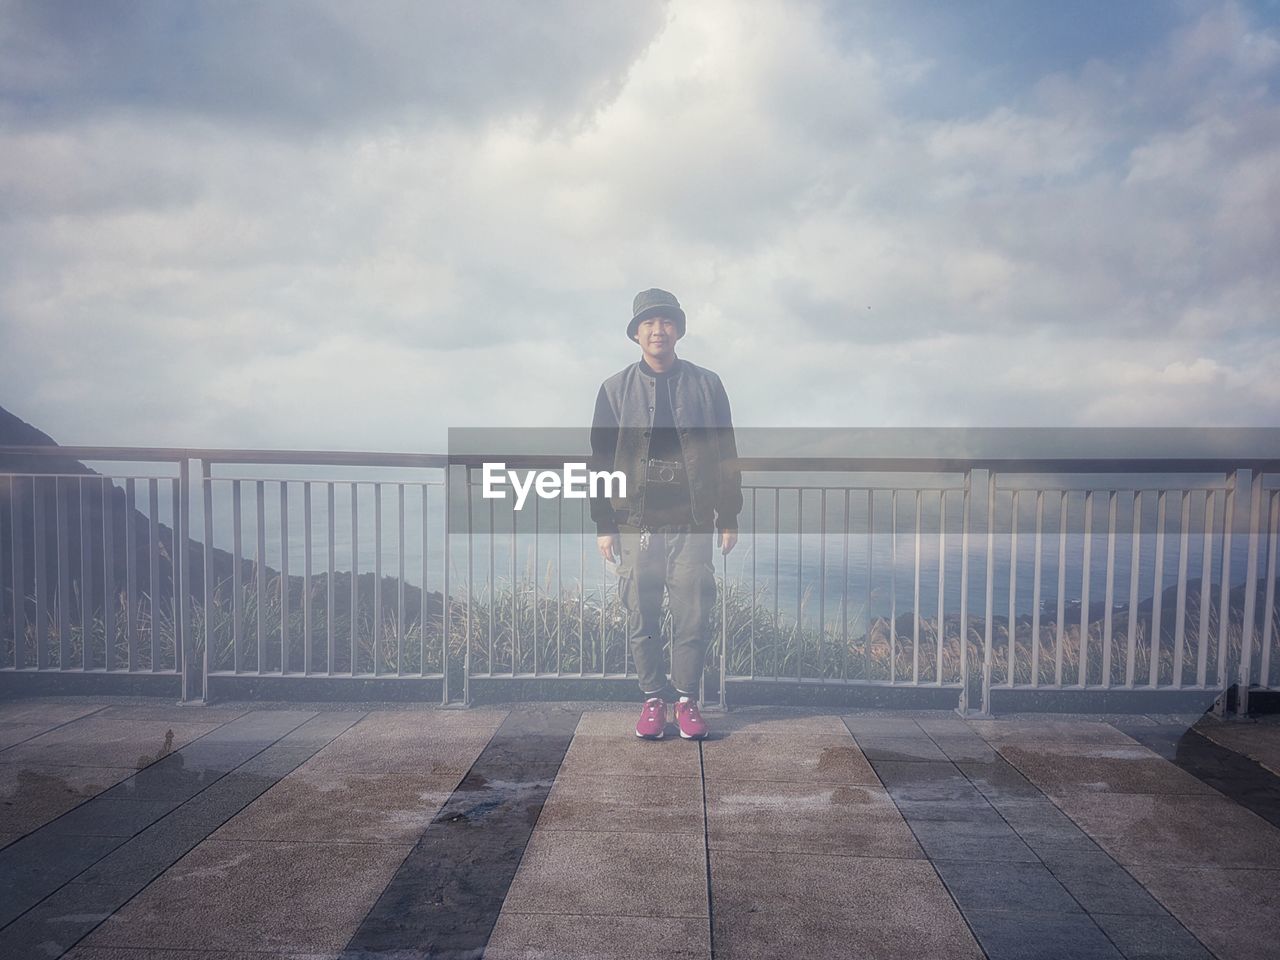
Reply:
x=620 y=436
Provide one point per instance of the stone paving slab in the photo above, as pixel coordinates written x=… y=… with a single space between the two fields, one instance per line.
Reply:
x=145 y=953
x=580 y=801
x=1111 y=768
x=48 y=711
x=97 y=742
x=852 y=820
x=1187 y=830
x=1232 y=911
x=251 y=895
x=817 y=757
x=770 y=904
x=11 y=733
x=625 y=754
x=318 y=803
x=605 y=873
x=1259 y=741
x=32 y=794
x=523 y=936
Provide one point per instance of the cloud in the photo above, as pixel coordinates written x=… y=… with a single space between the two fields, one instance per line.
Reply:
x=250 y=226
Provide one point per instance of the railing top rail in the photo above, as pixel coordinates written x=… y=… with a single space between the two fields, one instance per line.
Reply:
x=763 y=464
x=351 y=458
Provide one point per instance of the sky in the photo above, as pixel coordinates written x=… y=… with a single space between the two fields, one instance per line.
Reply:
x=341 y=226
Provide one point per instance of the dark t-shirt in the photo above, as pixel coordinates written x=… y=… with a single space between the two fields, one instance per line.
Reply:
x=665 y=503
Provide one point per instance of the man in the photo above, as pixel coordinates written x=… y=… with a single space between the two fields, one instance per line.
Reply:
x=666 y=424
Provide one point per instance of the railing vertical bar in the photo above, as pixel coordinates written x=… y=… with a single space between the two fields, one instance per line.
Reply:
x=41 y=576
x=844 y=589
x=377 y=578
x=206 y=497
x=109 y=625
x=8 y=496
x=1157 y=593
x=799 y=580
x=1206 y=570
x=260 y=570
x=355 y=571
x=131 y=571
x=62 y=546
x=425 y=599
x=17 y=556
x=1035 y=592
x=1250 y=593
x=1085 y=576
x=306 y=578
x=964 y=593
x=153 y=542
x=177 y=488
x=893 y=585
x=1131 y=638
x=182 y=613
x=1110 y=589
x=582 y=590
x=1062 y=588
x=445 y=628
x=866 y=638
x=1011 y=656
x=471 y=570
x=493 y=546
x=1224 y=595
x=777 y=544
x=537 y=572
x=754 y=553
x=400 y=586
x=942 y=580
x=822 y=578
x=331 y=646
x=1180 y=624
x=237 y=587
x=988 y=650
x=86 y=569
x=284 y=578
x=915 y=601
x=560 y=586
x=1269 y=603
x=515 y=633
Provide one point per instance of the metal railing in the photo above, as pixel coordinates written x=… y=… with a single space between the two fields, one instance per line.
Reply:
x=95 y=583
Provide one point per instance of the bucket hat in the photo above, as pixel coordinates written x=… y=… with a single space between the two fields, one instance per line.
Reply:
x=650 y=303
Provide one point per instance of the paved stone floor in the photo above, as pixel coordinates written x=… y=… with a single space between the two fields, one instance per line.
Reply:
x=136 y=829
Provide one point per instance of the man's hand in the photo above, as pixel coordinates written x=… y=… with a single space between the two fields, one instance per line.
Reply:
x=728 y=540
x=608 y=547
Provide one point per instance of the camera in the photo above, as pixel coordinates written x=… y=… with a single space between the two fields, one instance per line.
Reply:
x=663 y=471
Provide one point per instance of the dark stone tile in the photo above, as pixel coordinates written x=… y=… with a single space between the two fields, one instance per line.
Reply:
x=104 y=817
x=33 y=867
x=1015 y=888
x=1012 y=936
x=449 y=890
x=1000 y=779
x=971 y=840
x=1152 y=938
x=1103 y=886
x=925 y=780
x=53 y=927
x=974 y=808
x=899 y=748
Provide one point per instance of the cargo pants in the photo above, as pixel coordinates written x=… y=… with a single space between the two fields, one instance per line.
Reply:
x=679 y=560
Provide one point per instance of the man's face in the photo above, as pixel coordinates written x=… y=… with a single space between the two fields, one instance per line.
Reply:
x=658 y=336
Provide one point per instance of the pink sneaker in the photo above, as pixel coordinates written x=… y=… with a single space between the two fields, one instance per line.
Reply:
x=692 y=726
x=653 y=719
